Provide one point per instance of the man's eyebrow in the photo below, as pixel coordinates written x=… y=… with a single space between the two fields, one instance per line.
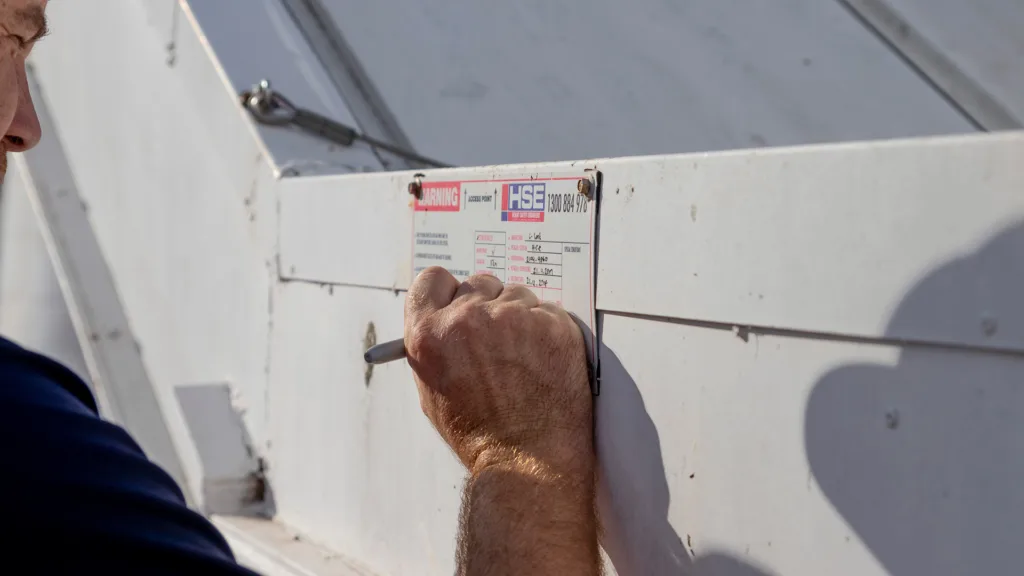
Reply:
x=33 y=18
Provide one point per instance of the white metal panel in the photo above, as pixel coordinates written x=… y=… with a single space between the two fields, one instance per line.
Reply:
x=782 y=455
x=121 y=384
x=355 y=464
x=32 y=308
x=272 y=550
x=819 y=239
x=770 y=238
x=479 y=83
x=354 y=230
x=797 y=464
x=982 y=38
x=178 y=192
x=809 y=453
x=165 y=17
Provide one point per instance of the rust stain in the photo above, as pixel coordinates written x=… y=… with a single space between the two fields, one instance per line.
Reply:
x=369 y=341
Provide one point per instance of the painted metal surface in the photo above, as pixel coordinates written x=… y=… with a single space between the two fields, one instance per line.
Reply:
x=865 y=255
x=478 y=83
x=730 y=233
x=366 y=217
x=170 y=169
x=355 y=464
x=936 y=59
x=118 y=375
x=822 y=239
x=973 y=50
x=32 y=308
x=800 y=455
x=271 y=550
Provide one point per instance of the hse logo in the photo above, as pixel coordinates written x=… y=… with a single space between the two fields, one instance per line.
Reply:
x=523 y=202
x=440 y=197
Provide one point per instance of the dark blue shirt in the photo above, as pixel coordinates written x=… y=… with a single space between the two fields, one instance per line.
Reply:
x=79 y=495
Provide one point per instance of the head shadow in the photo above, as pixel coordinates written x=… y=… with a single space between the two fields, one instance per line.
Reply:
x=923 y=458
x=633 y=495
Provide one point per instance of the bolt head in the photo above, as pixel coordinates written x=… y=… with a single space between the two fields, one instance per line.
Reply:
x=583 y=187
x=416 y=189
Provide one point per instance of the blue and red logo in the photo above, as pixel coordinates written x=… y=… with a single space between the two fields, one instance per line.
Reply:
x=523 y=202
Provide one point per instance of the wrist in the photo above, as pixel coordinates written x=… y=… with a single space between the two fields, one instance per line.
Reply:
x=573 y=463
x=536 y=520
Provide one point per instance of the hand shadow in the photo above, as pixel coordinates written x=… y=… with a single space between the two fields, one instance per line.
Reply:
x=924 y=458
x=633 y=496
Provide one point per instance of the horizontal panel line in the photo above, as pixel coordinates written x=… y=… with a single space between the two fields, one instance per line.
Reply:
x=322 y=283
x=746 y=330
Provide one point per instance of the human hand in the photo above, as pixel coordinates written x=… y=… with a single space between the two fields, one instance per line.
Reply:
x=500 y=375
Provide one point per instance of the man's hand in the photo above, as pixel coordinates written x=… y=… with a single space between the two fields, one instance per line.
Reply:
x=503 y=378
x=499 y=373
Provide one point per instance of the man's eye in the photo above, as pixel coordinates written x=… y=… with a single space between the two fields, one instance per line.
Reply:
x=22 y=42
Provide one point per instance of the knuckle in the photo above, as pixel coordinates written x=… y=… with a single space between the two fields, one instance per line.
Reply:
x=428 y=277
x=432 y=272
x=553 y=308
x=518 y=292
x=469 y=318
x=422 y=342
x=507 y=314
x=480 y=279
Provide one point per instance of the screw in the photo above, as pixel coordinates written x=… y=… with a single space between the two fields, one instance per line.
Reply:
x=416 y=186
x=583 y=187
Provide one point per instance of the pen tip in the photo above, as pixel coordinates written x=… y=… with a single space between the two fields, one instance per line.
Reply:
x=366 y=358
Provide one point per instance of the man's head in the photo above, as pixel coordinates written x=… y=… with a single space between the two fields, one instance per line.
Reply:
x=22 y=22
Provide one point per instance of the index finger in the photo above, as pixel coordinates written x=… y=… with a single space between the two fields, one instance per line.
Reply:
x=431 y=291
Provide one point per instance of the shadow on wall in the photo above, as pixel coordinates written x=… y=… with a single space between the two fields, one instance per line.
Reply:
x=924 y=459
x=637 y=535
x=233 y=477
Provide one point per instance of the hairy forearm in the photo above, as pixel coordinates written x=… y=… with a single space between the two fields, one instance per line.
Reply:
x=521 y=517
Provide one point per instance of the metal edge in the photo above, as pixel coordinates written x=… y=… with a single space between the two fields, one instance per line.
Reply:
x=274 y=550
x=182 y=7
x=351 y=79
x=964 y=93
x=123 y=388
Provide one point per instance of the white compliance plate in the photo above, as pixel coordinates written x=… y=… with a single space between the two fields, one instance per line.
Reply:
x=536 y=231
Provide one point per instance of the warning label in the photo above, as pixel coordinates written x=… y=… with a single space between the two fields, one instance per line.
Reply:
x=439 y=197
x=537 y=232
